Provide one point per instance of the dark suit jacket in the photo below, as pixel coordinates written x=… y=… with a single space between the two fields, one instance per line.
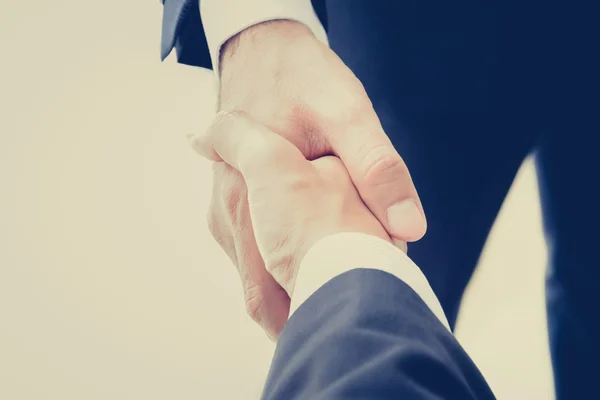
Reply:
x=182 y=29
x=367 y=335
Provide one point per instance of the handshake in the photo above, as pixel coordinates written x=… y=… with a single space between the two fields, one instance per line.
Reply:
x=270 y=205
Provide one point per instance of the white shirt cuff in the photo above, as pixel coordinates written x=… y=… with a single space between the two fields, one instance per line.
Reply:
x=342 y=252
x=223 y=19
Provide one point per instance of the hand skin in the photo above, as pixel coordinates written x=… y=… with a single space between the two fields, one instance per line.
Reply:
x=292 y=202
x=286 y=79
x=278 y=73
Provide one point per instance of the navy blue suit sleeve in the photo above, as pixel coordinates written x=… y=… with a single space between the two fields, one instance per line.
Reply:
x=367 y=335
x=182 y=30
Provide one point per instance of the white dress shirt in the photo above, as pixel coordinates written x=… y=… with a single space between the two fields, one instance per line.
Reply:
x=335 y=254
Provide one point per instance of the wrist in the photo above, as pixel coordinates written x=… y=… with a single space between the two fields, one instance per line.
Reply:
x=288 y=279
x=266 y=46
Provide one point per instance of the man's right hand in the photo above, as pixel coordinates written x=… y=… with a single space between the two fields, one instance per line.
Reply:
x=281 y=75
x=289 y=208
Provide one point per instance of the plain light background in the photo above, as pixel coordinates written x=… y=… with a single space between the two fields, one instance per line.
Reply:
x=110 y=284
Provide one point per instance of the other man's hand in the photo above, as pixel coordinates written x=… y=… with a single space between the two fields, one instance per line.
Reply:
x=291 y=204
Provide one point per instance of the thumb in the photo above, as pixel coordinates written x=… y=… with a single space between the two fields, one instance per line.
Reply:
x=382 y=179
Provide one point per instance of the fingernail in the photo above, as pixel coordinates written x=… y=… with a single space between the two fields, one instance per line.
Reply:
x=405 y=221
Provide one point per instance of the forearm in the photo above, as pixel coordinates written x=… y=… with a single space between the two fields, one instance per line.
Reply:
x=364 y=319
x=367 y=333
x=225 y=19
x=266 y=42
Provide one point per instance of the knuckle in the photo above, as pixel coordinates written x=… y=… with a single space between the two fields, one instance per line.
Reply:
x=228 y=117
x=281 y=260
x=254 y=299
x=332 y=170
x=221 y=117
x=232 y=192
x=352 y=103
x=231 y=203
x=382 y=165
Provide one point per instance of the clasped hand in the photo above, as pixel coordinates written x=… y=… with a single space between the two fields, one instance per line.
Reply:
x=281 y=205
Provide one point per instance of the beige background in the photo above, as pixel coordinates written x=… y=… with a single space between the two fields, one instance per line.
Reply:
x=110 y=285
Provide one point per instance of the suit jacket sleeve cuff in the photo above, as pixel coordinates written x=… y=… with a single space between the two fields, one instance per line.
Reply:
x=223 y=19
x=335 y=254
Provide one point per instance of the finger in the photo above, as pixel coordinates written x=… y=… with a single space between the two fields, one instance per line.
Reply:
x=218 y=222
x=382 y=178
x=266 y=301
x=246 y=145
